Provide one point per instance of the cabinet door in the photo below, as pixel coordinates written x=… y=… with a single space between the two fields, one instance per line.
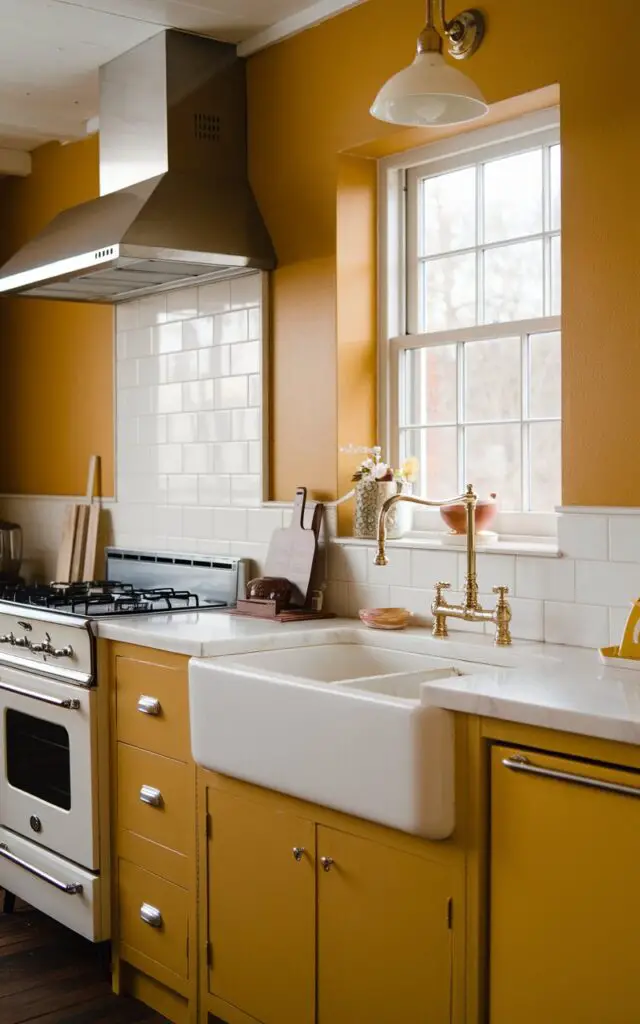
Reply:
x=565 y=894
x=384 y=942
x=261 y=908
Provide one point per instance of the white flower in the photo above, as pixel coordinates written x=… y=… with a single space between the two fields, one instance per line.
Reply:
x=367 y=465
x=380 y=470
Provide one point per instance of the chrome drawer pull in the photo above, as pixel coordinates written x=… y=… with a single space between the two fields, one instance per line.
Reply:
x=298 y=853
x=327 y=863
x=151 y=915
x=519 y=763
x=149 y=705
x=70 y=888
x=70 y=704
x=152 y=796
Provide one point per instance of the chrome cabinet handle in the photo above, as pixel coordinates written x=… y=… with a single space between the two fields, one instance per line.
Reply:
x=519 y=763
x=149 y=705
x=70 y=888
x=298 y=853
x=70 y=703
x=327 y=863
x=152 y=796
x=151 y=915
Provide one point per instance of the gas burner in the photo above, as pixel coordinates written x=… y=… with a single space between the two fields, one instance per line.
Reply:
x=104 y=597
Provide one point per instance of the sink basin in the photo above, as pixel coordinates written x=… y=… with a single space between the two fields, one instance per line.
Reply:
x=338 y=723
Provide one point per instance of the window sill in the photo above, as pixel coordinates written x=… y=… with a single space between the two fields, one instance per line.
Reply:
x=540 y=547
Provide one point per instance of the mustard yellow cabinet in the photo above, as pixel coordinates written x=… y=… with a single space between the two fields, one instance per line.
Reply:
x=384 y=936
x=261 y=909
x=307 y=922
x=564 y=892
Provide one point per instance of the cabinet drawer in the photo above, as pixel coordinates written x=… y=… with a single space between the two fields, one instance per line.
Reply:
x=153 y=798
x=154 y=917
x=152 y=707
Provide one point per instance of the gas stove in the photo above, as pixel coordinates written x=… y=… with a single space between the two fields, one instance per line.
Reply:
x=48 y=627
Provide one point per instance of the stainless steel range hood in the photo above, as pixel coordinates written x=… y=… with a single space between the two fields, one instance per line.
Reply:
x=175 y=202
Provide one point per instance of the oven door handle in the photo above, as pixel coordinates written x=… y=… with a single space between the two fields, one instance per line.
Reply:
x=70 y=888
x=70 y=703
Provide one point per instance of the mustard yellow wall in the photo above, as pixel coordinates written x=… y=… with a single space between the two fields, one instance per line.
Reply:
x=308 y=102
x=56 y=381
x=308 y=115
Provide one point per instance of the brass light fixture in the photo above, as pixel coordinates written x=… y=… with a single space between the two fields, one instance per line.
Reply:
x=430 y=92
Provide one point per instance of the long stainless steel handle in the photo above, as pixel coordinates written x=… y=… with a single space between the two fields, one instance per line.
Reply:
x=70 y=888
x=152 y=796
x=70 y=703
x=149 y=705
x=519 y=763
x=151 y=915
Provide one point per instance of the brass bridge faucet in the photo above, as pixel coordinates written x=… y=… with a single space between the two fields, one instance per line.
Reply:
x=470 y=610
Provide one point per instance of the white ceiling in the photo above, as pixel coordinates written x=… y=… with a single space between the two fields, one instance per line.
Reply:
x=50 y=50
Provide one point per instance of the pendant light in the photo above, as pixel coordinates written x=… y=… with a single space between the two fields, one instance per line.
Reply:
x=430 y=92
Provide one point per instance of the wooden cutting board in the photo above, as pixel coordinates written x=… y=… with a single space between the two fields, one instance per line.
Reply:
x=292 y=552
x=93 y=522
x=65 y=551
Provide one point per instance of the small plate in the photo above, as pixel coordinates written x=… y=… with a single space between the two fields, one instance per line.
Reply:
x=385 y=618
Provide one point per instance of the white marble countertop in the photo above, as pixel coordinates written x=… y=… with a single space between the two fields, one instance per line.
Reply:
x=565 y=688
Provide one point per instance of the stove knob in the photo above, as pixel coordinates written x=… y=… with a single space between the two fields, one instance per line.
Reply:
x=62 y=652
x=21 y=641
x=5 y=638
x=35 y=823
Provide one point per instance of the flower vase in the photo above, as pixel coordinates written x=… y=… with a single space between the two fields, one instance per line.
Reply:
x=370 y=496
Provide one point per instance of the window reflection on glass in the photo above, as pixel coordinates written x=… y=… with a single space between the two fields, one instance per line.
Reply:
x=449 y=212
x=429 y=385
x=492 y=387
x=554 y=187
x=436 y=449
x=449 y=293
x=545 y=483
x=544 y=376
x=493 y=456
x=513 y=197
x=556 y=277
x=513 y=282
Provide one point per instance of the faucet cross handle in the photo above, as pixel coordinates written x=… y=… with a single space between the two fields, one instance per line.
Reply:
x=501 y=592
x=439 y=589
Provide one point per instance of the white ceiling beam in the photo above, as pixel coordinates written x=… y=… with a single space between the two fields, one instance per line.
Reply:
x=320 y=11
x=15 y=162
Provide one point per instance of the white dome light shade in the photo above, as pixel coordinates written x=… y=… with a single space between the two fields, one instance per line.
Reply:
x=429 y=93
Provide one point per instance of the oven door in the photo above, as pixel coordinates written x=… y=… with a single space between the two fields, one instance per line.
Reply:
x=48 y=781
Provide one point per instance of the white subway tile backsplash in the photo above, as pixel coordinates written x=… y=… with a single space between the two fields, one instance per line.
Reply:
x=230 y=524
x=255 y=390
x=177 y=367
x=182 y=304
x=545 y=577
x=215 y=297
x=138 y=343
x=607 y=583
x=231 y=457
x=214 y=489
x=127 y=316
x=245 y=490
x=197 y=458
x=493 y=570
x=429 y=567
x=348 y=564
x=527 y=622
x=361 y=596
x=214 y=362
x=397 y=573
x=127 y=373
x=231 y=327
x=336 y=598
x=246 y=291
x=167 y=398
x=624 y=538
x=255 y=323
x=182 y=427
x=255 y=457
x=167 y=338
x=418 y=602
x=583 y=536
x=182 y=489
x=230 y=393
x=197 y=333
x=245 y=424
x=198 y=522
x=214 y=426
x=575 y=625
x=245 y=357
x=151 y=429
x=168 y=520
x=151 y=311
x=262 y=522
x=197 y=395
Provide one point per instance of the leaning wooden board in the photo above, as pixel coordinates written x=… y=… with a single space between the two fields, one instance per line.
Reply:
x=292 y=552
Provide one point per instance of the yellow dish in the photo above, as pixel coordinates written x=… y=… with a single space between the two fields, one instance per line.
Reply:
x=385 y=618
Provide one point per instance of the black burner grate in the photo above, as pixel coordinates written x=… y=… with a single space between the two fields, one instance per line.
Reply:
x=103 y=597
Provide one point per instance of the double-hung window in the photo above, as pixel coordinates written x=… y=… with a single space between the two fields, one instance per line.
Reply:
x=470 y=360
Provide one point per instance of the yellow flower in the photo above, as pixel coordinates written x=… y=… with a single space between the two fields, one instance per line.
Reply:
x=410 y=469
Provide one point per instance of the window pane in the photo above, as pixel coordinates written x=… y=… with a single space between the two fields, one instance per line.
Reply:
x=556 y=276
x=513 y=282
x=555 y=187
x=429 y=383
x=448 y=293
x=492 y=380
x=544 y=375
x=513 y=196
x=545 y=446
x=449 y=212
x=493 y=463
x=437 y=452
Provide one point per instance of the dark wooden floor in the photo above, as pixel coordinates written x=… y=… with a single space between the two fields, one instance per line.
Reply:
x=52 y=976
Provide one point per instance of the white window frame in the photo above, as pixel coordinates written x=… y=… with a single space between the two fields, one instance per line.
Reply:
x=396 y=175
